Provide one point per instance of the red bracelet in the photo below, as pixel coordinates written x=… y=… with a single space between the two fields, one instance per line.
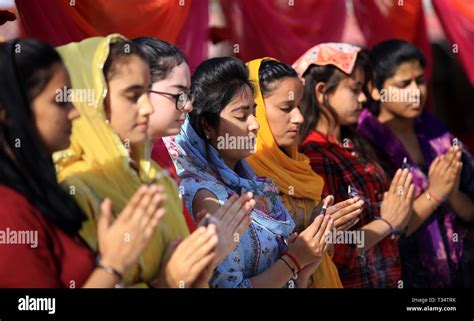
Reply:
x=295 y=262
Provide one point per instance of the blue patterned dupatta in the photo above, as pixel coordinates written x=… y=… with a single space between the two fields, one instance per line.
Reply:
x=200 y=166
x=198 y=160
x=438 y=241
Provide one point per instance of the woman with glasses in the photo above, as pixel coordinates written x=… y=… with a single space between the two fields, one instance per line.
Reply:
x=169 y=94
x=171 y=98
x=109 y=157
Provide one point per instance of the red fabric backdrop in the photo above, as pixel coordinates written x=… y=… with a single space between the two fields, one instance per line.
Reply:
x=381 y=21
x=283 y=29
x=182 y=22
x=457 y=18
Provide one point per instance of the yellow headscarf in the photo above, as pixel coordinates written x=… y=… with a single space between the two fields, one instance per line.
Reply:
x=96 y=165
x=292 y=173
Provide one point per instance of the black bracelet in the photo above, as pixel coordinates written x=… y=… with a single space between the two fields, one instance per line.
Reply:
x=295 y=274
x=111 y=270
x=393 y=232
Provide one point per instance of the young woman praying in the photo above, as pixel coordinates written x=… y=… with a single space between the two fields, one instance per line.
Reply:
x=334 y=77
x=212 y=169
x=34 y=123
x=171 y=98
x=443 y=172
x=277 y=96
x=109 y=157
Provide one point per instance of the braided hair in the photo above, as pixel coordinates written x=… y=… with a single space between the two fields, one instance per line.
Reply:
x=270 y=72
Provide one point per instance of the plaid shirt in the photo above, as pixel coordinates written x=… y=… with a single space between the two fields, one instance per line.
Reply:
x=341 y=167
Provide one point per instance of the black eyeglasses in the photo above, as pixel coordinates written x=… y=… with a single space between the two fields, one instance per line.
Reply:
x=180 y=98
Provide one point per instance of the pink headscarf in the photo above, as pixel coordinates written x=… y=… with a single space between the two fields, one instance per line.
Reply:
x=340 y=55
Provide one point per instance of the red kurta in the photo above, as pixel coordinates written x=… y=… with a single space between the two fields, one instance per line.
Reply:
x=58 y=260
x=160 y=155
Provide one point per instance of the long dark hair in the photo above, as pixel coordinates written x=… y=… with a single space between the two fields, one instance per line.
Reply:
x=385 y=58
x=214 y=84
x=26 y=67
x=270 y=72
x=312 y=110
x=310 y=107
